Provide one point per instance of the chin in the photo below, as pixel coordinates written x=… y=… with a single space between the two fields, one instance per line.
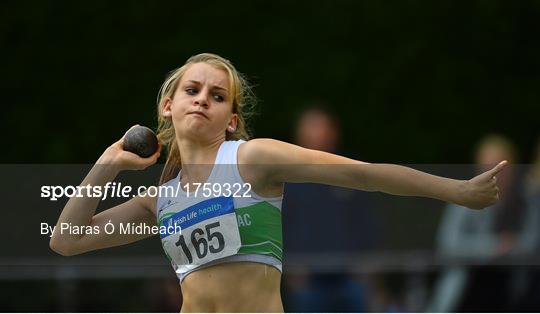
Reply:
x=196 y=132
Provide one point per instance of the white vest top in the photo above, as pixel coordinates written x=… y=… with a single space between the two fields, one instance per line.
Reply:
x=222 y=221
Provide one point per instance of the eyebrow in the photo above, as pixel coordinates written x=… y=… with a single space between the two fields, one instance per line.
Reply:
x=214 y=86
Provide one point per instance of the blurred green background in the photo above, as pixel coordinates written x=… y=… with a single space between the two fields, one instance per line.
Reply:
x=412 y=81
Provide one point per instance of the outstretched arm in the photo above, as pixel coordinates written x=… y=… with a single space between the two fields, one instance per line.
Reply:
x=284 y=162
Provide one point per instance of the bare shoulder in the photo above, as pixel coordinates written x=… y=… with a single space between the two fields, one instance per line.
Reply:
x=267 y=151
x=257 y=151
x=256 y=158
x=270 y=151
x=276 y=162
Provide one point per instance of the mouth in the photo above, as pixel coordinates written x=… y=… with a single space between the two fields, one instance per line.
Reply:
x=198 y=113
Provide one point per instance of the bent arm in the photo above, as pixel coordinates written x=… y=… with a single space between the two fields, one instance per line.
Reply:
x=81 y=212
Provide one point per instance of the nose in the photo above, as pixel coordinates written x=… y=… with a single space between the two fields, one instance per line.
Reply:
x=202 y=99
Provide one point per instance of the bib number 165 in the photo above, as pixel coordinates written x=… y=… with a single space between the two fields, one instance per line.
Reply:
x=200 y=242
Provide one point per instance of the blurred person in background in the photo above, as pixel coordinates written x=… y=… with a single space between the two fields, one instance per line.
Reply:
x=351 y=232
x=482 y=236
x=533 y=176
x=529 y=242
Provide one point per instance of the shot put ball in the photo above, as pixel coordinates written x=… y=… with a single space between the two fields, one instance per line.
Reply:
x=141 y=140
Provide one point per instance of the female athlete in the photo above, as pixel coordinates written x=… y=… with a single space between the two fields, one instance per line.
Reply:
x=228 y=253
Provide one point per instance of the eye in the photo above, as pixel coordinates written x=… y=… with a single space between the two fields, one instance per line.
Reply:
x=191 y=91
x=219 y=98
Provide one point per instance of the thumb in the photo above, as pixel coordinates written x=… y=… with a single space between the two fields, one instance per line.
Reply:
x=498 y=168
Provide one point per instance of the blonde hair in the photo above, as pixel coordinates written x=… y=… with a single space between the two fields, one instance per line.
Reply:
x=243 y=101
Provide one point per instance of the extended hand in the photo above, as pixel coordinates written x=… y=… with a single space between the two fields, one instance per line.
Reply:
x=482 y=191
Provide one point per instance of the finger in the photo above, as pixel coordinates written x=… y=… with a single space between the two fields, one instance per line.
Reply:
x=153 y=159
x=498 y=168
x=131 y=156
x=119 y=144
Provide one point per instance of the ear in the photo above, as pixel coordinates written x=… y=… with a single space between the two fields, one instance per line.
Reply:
x=233 y=123
x=167 y=107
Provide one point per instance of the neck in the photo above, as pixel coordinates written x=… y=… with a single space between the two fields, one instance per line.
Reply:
x=198 y=158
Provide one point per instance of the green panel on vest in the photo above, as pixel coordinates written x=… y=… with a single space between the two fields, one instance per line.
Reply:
x=260 y=229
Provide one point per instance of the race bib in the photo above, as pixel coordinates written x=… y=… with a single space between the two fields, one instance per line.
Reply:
x=209 y=231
